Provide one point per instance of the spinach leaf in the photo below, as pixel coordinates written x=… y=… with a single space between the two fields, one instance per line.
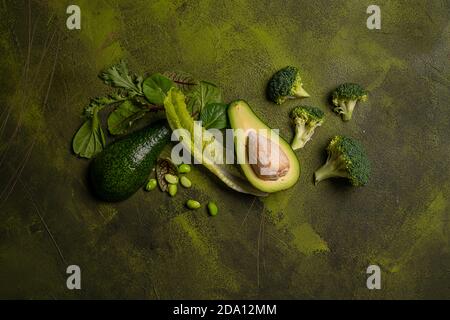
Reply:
x=214 y=115
x=121 y=119
x=89 y=139
x=155 y=88
x=201 y=95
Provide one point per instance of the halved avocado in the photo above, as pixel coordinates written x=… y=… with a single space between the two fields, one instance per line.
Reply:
x=242 y=117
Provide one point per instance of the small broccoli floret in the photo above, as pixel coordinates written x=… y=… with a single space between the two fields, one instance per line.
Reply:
x=306 y=119
x=285 y=84
x=345 y=98
x=346 y=159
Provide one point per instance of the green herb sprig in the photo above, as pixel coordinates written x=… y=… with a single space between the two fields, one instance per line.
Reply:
x=136 y=96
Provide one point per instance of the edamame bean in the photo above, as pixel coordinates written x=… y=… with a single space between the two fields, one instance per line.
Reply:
x=173 y=190
x=192 y=204
x=151 y=184
x=184 y=168
x=185 y=182
x=212 y=208
x=170 y=178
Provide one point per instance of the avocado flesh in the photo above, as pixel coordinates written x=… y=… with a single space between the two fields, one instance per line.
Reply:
x=124 y=165
x=248 y=128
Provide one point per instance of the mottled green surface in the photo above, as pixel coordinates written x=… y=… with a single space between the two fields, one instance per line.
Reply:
x=307 y=242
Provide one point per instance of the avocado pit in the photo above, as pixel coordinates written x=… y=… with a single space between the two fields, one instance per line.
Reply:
x=267 y=160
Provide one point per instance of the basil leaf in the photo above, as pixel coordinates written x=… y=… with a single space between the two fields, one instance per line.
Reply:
x=89 y=139
x=202 y=95
x=155 y=88
x=214 y=115
x=121 y=119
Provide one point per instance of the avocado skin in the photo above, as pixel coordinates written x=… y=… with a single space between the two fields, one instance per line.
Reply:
x=124 y=165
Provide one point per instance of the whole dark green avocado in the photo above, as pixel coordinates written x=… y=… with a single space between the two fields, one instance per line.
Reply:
x=124 y=165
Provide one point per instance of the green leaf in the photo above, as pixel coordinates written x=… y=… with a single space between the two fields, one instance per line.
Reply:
x=121 y=119
x=89 y=139
x=155 y=88
x=203 y=94
x=214 y=115
x=99 y=103
x=118 y=76
x=183 y=80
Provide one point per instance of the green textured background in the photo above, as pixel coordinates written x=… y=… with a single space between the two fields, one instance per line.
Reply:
x=307 y=242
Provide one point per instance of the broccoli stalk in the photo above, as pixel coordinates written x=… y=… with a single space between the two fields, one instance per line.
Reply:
x=286 y=84
x=345 y=98
x=346 y=159
x=297 y=90
x=345 y=108
x=306 y=119
x=333 y=168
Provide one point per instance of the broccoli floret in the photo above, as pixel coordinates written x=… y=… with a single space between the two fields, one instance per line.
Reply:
x=345 y=98
x=346 y=159
x=306 y=119
x=285 y=84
